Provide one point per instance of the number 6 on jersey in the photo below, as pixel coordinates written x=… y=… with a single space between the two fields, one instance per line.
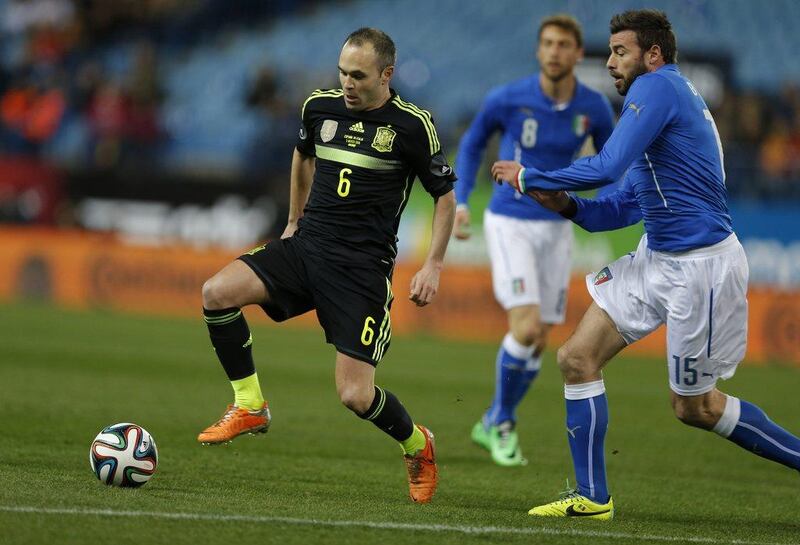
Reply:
x=344 y=184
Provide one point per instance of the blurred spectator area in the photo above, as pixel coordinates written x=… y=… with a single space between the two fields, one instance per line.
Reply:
x=212 y=88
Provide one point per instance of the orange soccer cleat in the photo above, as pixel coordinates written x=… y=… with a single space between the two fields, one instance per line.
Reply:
x=235 y=422
x=423 y=475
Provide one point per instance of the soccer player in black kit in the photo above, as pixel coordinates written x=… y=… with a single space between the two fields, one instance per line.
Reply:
x=362 y=146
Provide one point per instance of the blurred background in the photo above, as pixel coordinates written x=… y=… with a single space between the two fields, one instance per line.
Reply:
x=143 y=143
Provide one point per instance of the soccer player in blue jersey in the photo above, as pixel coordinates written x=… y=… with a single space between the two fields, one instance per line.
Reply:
x=544 y=120
x=689 y=270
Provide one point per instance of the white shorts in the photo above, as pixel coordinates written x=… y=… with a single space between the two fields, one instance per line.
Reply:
x=702 y=297
x=531 y=262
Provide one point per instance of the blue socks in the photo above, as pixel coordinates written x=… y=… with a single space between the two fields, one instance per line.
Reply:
x=749 y=427
x=587 y=422
x=516 y=369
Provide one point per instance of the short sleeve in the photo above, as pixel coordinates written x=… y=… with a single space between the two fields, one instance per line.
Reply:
x=305 y=135
x=428 y=160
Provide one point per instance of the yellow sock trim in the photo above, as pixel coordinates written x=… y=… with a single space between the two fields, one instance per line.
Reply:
x=414 y=443
x=247 y=393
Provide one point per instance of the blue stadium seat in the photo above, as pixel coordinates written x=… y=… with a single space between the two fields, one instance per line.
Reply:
x=467 y=48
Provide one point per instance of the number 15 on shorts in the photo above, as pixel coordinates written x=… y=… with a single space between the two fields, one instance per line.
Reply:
x=684 y=370
x=688 y=373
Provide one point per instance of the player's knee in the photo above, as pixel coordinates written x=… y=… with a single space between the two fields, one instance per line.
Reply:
x=356 y=399
x=214 y=294
x=576 y=366
x=528 y=334
x=694 y=412
x=527 y=331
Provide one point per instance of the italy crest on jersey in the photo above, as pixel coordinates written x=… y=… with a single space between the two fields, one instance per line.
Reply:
x=603 y=276
x=328 y=130
x=384 y=138
x=580 y=124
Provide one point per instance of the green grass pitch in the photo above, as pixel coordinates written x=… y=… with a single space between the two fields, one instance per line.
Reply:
x=322 y=475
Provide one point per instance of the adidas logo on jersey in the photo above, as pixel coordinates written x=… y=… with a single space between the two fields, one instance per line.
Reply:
x=357 y=127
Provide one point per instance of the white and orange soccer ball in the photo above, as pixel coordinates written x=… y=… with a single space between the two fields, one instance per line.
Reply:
x=123 y=455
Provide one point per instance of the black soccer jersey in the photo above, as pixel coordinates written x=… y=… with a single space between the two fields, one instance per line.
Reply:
x=366 y=163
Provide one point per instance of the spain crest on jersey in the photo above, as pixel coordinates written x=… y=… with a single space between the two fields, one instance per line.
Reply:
x=580 y=124
x=384 y=138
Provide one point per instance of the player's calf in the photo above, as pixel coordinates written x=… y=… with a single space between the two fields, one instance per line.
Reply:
x=749 y=427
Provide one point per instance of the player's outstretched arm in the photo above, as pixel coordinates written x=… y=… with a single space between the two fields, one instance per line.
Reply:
x=302 y=174
x=613 y=211
x=530 y=179
x=425 y=283
x=649 y=106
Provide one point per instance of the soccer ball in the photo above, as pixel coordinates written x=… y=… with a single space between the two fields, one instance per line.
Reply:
x=123 y=455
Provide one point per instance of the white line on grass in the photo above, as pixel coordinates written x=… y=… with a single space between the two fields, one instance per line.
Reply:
x=475 y=530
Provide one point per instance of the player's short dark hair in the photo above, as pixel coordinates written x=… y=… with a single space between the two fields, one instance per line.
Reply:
x=651 y=27
x=381 y=43
x=565 y=22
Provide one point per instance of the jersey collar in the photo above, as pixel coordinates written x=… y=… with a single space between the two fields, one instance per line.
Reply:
x=551 y=104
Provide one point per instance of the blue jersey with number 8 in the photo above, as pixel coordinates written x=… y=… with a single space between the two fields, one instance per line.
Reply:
x=535 y=131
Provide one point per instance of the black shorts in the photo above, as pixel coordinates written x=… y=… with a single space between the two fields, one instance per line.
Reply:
x=352 y=301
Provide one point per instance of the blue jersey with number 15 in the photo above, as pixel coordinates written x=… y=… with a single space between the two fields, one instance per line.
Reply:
x=536 y=132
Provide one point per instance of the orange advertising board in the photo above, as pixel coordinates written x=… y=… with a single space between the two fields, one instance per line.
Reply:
x=83 y=270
